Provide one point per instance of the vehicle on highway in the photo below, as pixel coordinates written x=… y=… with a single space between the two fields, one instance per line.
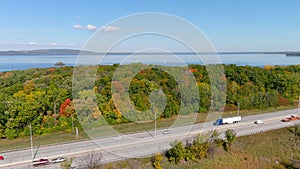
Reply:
x=258 y=122
x=118 y=137
x=41 y=161
x=229 y=120
x=58 y=160
x=1 y=158
x=291 y=118
x=167 y=131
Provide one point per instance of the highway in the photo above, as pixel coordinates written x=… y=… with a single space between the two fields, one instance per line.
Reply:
x=143 y=143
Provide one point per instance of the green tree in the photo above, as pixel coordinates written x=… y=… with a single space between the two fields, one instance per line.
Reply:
x=176 y=153
x=198 y=150
x=230 y=136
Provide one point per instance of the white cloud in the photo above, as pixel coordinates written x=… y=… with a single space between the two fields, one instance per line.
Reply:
x=33 y=43
x=71 y=44
x=53 y=44
x=77 y=16
x=91 y=27
x=110 y=28
x=78 y=27
x=88 y=27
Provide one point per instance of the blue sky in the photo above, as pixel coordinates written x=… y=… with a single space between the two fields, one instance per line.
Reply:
x=231 y=25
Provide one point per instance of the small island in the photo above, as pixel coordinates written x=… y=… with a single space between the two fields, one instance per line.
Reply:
x=293 y=54
x=59 y=64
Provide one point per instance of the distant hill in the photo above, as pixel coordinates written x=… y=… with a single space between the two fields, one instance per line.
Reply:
x=77 y=52
x=45 y=52
x=293 y=54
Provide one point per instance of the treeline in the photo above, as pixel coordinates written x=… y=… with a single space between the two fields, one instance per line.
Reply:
x=43 y=97
x=33 y=96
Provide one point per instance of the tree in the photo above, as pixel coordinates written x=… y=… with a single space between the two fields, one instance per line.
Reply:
x=91 y=160
x=198 y=150
x=176 y=153
x=156 y=161
x=230 y=136
x=63 y=107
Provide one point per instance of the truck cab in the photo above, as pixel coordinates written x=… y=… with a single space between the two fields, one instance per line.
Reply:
x=218 y=122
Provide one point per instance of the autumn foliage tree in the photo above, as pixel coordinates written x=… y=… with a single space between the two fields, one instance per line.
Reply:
x=64 y=107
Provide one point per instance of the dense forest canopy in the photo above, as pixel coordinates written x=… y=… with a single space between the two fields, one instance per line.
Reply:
x=43 y=96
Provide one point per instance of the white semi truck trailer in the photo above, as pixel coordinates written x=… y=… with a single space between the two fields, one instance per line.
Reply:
x=228 y=120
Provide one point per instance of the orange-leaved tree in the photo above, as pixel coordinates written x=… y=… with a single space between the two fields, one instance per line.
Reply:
x=65 y=108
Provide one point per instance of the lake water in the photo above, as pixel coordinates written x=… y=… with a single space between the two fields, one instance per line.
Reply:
x=21 y=62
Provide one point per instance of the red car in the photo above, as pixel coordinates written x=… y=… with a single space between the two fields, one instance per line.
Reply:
x=41 y=161
x=1 y=158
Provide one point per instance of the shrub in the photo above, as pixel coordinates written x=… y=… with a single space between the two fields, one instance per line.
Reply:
x=283 y=101
x=10 y=133
x=199 y=150
x=176 y=153
x=156 y=161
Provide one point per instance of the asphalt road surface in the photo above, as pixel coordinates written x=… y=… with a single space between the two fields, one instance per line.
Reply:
x=143 y=143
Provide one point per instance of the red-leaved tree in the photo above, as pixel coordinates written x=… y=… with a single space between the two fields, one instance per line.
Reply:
x=63 y=106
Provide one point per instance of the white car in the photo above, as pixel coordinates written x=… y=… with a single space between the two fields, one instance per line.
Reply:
x=118 y=137
x=259 y=122
x=58 y=160
x=167 y=132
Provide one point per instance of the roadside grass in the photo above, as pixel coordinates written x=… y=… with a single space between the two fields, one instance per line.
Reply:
x=53 y=138
x=272 y=149
x=61 y=137
x=257 y=111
